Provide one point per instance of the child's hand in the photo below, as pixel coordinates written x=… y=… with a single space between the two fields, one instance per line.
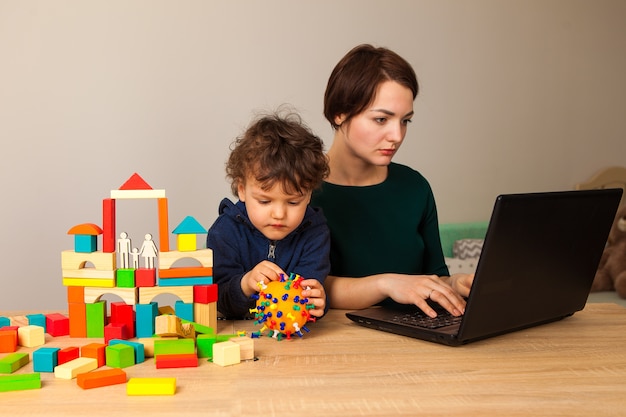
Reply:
x=264 y=272
x=314 y=291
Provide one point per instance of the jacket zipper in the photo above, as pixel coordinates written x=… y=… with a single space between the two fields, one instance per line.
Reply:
x=271 y=254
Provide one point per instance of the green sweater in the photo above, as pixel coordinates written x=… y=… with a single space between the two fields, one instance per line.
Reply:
x=388 y=227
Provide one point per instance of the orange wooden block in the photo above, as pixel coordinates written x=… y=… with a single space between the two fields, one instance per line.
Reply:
x=186 y=271
x=78 y=318
x=101 y=378
x=164 y=235
x=95 y=351
x=75 y=294
x=178 y=360
x=8 y=340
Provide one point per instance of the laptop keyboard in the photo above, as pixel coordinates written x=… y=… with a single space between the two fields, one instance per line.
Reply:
x=419 y=319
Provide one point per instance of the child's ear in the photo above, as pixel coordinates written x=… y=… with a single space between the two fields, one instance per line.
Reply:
x=241 y=191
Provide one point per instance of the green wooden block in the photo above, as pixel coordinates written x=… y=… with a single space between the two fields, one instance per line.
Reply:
x=125 y=278
x=13 y=362
x=200 y=328
x=225 y=337
x=205 y=344
x=174 y=346
x=20 y=382
x=95 y=313
x=120 y=356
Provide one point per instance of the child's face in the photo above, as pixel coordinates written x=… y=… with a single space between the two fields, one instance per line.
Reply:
x=273 y=212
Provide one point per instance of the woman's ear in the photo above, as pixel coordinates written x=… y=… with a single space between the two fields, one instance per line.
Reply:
x=339 y=119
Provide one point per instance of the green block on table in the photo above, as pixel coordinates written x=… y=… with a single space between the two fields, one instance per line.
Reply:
x=205 y=344
x=120 y=356
x=20 y=382
x=125 y=278
x=199 y=328
x=95 y=319
x=173 y=346
x=13 y=362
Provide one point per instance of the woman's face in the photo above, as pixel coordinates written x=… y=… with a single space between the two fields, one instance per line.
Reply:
x=375 y=134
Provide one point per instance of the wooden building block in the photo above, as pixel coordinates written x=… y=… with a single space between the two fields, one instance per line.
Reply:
x=187 y=242
x=67 y=354
x=147 y=294
x=20 y=382
x=128 y=295
x=123 y=313
x=140 y=355
x=174 y=346
x=13 y=362
x=120 y=356
x=164 y=241
x=108 y=225
x=4 y=321
x=185 y=282
x=77 y=313
x=184 y=310
x=226 y=353
x=148 y=345
x=115 y=331
x=204 y=256
x=37 y=320
x=85 y=243
x=88 y=273
x=137 y=194
x=145 y=315
x=205 y=344
x=145 y=277
x=76 y=294
x=95 y=351
x=8 y=340
x=96 y=313
x=57 y=325
x=151 y=386
x=205 y=294
x=186 y=272
x=125 y=278
x=102 y=261
x=101 y=378
x=88 y=282
x=246 y=345
x=31 y=336
x=71 y=369
x=206 y=314
x=184 y=360
x=45 y=359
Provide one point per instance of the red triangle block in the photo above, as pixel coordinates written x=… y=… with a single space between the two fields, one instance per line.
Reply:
x=135 y=182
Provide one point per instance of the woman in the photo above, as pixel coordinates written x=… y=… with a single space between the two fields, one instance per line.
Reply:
x=384 y=230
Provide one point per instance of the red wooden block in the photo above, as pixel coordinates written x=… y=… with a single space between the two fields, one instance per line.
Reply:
x=179 y=360
x=101 y=378
x=57 y=325
x=67 y=354
x=115 y=331
x=122 y=313
x=8 y=340
x=145 y=277
x=108 y=225
x=205 y=294
x=95 y=351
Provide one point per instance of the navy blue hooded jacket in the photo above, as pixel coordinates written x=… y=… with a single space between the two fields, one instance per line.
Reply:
x=238 y=246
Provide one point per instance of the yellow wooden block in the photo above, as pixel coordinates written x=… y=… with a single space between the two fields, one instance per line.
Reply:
x=31 y=336
x=204 y=256
x=246 y=347
x=128 y=295
x=151 y=386
x=70 y=369
x=88 y=282
x=102 y=261
x=226 y=353
x=187 y=242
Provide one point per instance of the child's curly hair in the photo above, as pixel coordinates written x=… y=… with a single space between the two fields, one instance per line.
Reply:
x=278 y=148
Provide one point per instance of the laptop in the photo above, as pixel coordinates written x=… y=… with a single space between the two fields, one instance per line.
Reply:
x=538 y=261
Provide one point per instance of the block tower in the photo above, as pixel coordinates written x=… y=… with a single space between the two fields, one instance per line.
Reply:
x=90 y=273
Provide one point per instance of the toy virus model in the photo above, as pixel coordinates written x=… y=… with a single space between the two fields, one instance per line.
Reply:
x=281 y=309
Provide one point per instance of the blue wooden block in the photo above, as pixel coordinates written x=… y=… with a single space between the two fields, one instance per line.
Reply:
x=45 y=359
x=85 y=243
x=37 y=320
x=144 y=319
x=4 y=322
x=179 y=282
x=140 y=354
x=184 y=310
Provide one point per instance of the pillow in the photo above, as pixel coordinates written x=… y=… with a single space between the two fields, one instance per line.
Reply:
x=467 y=248
x=461 y=266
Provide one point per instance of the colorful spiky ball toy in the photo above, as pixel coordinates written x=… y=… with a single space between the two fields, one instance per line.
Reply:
x=281 y=309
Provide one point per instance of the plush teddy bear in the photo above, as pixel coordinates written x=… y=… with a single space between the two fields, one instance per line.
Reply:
x=611 y=273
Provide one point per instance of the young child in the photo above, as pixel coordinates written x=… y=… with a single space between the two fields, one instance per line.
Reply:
x=274 y=168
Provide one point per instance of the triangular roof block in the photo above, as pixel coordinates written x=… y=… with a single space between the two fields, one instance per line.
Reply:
x=135 y=182
x=189 y=226
x=85 y=229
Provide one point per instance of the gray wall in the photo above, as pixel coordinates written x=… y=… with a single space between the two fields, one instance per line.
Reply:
x=516 y=96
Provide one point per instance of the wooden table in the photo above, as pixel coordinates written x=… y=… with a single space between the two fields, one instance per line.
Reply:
x=575 y=367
